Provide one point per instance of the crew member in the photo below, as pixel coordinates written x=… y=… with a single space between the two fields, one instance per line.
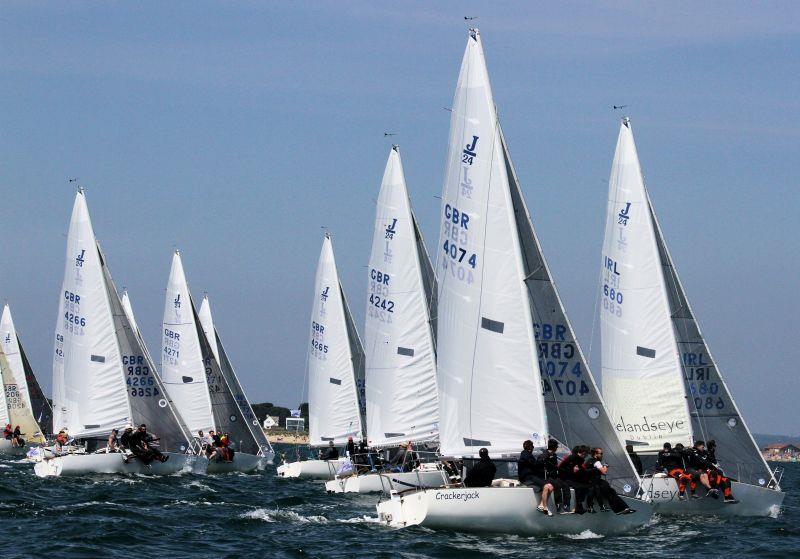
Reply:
x=600 y=489
x=635 y=459
x=573 y=472
x=531 y=472
x=481 y=474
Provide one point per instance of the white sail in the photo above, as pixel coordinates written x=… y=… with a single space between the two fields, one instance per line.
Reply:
x=20 y=413
x=333 y=404
x=89 y=396
x=126 y=305
x=489 y=387
x=642 y=375
x=207 y=322
x=182 y=367
x=10 y=347
x=402 y=402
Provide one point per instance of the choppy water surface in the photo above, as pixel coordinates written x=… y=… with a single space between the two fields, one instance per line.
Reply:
x=259 y=515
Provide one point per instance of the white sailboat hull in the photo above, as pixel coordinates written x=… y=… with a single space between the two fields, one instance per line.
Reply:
x=753 y=500
x=112 y=463
x=374 y=482
x=311 y=469
x=508 y=510
x=241 y=463
x=7 y=449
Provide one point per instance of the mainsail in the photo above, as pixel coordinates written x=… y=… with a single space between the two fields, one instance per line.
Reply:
x=641 y=362
x=215 y=344
x=181 y=354
x=399 y=343
x=334 y=359
x=18 y=409
x=22 y=391
x=490 y=393
x=192 y=373
x=89 y=391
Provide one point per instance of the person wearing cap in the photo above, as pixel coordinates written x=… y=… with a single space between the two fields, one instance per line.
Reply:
x=482 y=473
x=351 y=448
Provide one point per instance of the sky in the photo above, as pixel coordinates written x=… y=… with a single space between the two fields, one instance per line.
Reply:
x=237 y=131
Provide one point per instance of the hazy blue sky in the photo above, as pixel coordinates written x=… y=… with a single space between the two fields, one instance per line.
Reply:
x=235 y=130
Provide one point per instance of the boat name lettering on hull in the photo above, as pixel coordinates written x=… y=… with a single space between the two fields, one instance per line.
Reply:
x=457 y=496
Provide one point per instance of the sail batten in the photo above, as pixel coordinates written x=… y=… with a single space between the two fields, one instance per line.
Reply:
x=399 y=342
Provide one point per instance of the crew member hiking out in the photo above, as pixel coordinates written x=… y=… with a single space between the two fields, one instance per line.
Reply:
x=671 y=461
x=531 y=472
x=481 y=474
x=599 y=488
x=573 y=472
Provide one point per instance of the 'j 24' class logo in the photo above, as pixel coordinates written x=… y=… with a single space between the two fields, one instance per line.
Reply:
x=625 y=214
x=468 y=155
x=79 y=260
x=391 y=229
x=324 y=296
x=177 y=301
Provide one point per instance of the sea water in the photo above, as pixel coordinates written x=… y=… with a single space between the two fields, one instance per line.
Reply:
x=259 y=515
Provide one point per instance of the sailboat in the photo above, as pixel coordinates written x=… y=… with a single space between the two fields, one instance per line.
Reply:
x=335 y=363
x=509 y=368
x=103 y=378
x=659 y=378
x=214 y=340
x=195 y=381
x=400 y=345
x=22 y=401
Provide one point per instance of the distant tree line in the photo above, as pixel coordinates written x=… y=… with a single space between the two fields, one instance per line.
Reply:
x=265 y=409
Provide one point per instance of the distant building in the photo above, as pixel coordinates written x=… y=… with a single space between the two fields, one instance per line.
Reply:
x=296 y=424
x=271 y=421
x=782 y=451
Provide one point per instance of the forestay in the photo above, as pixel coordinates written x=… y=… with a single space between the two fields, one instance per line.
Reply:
x=402 y=401
x=229 y=374
x=489 y=389
x=182 y=357
x=575 y=411
x=642 y=382
x=333 y=359
x=89 y=392
x=148 y=398
x=715 y=415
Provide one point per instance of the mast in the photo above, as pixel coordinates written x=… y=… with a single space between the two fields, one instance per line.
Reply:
x=490 y=391
x=400 y=349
